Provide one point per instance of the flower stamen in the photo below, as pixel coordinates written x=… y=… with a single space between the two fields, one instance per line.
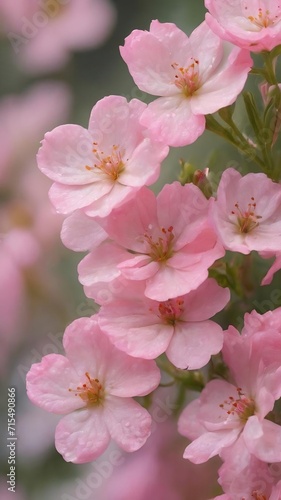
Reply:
x=161 y=249
x=90 y=392
x=111 y=165
x=243 y=406
x=187 y=79
x=246 y=220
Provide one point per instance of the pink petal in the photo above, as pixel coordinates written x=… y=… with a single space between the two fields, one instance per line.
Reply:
x=66 y=199
x=263 y=439
x=101 y=264
x=82 y=436
x=64 y=154
x=48 y=385
x=193 y=344
x=171 y=121
x=91 y=351
x=210 y=444
x=128 y=423
x=80 y=232
x=206 y=301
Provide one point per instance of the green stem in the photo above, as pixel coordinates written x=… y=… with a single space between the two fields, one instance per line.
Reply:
x=242 y=145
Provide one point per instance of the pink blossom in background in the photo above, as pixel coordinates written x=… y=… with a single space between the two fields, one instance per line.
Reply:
x=165 y=241
x=22 y=127
x=180 y=327
x=250 y=24
x=100 y=168
x=99 y=381
x=42 y=35
x=247 y=212
x=193 y=76
x=158 y=471
x=229 y=413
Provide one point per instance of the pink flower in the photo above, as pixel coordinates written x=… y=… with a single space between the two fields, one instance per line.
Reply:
x=227 y=413
x=93 y=387
x=180 y=326
x=258 y=480
x=193 y=76
x=165 y=241
x=250 y=24
x=247 y=212
x=100 y=168
x=44 y=34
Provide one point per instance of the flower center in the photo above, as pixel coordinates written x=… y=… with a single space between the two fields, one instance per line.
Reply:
x=246 y=220
x=161 y=249
x=264 y=18
x=258 y=496
x=187 y=79
x=111 y=165
x=243 y=406
x=170 y=310
x=91 y=392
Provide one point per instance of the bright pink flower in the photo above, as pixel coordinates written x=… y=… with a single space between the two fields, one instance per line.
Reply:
x=193 y=76
x=180 y=326
x=247 y=212
x=165 y=241
x=99 y=381
x=225 y=412
x=99 y=168
x=250 y=24
x=44 y=34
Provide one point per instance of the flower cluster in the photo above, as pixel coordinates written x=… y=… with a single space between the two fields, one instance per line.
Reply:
x=155 y=263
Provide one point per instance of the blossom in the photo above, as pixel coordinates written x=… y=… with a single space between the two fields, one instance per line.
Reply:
x=99 y=168
x=44 y=35
x=165 y=241
x=258 y=480
x=180 y=327
x=247 y=212
x=230 y=413
x=251 y=24
x=193 y=76
x=93 y=387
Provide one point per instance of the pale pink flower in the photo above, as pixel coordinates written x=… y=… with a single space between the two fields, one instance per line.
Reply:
x=180 y=326
x=93 y=387
x=193 y=76
x=250 y=24
x=247 y=212
x=258 y=480
x=165 y=241
x=226 y=413
x=43 y=34
x=100 y=168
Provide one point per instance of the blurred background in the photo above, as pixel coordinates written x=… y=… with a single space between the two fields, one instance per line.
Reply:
x=57 y=58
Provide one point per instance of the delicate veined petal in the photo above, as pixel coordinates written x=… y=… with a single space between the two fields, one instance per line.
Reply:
x=80 y=232
x=48 y=383
x=129 y=424
x=82 y=436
